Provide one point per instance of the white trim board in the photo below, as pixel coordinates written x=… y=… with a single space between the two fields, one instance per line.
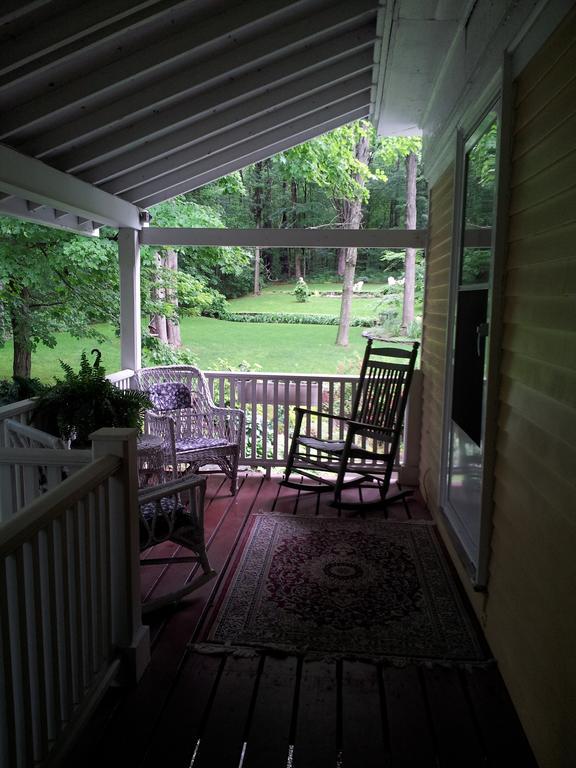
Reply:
x=286 y=238
x=34 y=181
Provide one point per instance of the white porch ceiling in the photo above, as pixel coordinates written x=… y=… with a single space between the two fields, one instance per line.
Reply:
x=143 y=100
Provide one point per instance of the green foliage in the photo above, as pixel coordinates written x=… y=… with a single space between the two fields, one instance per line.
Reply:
x=156 y=352
x=53 y=281
x=19 y=388
x=294 y=319
x=85 y=401
x=301 y=291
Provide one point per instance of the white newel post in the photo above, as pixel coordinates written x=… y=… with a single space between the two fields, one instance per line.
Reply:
x=130 y=331
x=129 y=631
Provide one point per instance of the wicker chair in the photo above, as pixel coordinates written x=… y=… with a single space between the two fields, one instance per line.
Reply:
x=174 y=511
x=195 y=431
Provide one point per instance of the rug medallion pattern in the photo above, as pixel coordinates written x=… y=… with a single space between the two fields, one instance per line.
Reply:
x=359 y=587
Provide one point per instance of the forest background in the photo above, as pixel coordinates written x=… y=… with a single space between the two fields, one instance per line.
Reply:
x=59 y=292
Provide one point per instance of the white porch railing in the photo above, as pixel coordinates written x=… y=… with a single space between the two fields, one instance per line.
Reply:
x=69 y=597
x=267 y=399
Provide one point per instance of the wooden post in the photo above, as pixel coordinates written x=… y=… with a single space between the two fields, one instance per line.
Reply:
x=131 y=633
x=408 y=473
x=130 y=324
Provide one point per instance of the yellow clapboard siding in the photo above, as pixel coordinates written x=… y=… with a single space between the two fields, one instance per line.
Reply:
x=557 y=279
x=553 y=381
x=434 y=332
x=547 y=215
x=556 y=313
x=541 y=64
x=556 y=453
x=560 y=109
x=558 y=178
x=544 y=248
x=556 y=145
x=558 y=77
x=545 y=346
x=556 y=419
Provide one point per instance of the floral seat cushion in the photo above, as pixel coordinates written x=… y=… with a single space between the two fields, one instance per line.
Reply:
x=169 y=396
x=198 y=443
x=163 y=519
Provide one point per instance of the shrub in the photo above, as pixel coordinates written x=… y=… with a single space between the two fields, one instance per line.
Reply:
x=20 y=388
x=294 y=319
x=301 y=291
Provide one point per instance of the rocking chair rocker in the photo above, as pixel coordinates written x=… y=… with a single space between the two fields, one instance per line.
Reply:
x=367 y=442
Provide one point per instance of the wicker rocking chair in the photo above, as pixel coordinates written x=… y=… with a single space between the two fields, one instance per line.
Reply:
x=366 y=442
x=174 y=511
x=195 y=431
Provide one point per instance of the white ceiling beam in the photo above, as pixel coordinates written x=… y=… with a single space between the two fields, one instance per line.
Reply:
x=266 y=141
x=232 y=63
x=212 y=175
x=166 y=131
x=47 y=217
x=34 y=181
x=166 y=53
x=281 y=110
x=10 y=10
x=68 y=27
x=173 y=124
x=286 y=238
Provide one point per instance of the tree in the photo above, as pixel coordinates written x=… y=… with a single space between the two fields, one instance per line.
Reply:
x=53 y=281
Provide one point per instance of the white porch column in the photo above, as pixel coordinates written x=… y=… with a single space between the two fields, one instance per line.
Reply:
x=130 y=329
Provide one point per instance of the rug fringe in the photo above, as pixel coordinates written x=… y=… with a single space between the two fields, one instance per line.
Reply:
x=242 y=651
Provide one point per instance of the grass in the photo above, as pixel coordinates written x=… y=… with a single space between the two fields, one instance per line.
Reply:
x=274 y=347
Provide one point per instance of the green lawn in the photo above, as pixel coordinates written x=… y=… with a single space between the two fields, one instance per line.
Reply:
x=273 y=347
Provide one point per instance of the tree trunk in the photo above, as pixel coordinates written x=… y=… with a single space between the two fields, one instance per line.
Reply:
x=257 y=271
x=351 y=218
x=410 y=259
x=257 y=213
x=172 y=327
x=21 y=332
x=158 y=322
x=341 y=258
x=294 y=201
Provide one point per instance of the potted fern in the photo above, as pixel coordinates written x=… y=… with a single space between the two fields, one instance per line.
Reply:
x=85 y=401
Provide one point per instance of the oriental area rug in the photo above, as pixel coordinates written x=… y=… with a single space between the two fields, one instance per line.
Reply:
x=362 y=588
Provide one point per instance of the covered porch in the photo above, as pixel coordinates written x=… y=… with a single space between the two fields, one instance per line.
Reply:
x=273 y=709
x=108 y=110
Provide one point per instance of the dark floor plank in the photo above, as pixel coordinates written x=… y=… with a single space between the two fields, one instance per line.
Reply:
x=286 y=501
x=500 y=728
x=269 y=735
x=363 y=744
x=316 y=737
x=452 y=720
x=409 y=729
x=223 y=736
x=178 y=729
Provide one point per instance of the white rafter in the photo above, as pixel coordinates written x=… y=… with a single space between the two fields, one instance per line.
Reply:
x=160 y=132
x=30 y=179
x=213 y=136
x=172 y=50
x=267 y=142
x=281 y=146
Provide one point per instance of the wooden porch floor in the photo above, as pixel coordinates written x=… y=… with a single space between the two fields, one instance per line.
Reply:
x=273 y=711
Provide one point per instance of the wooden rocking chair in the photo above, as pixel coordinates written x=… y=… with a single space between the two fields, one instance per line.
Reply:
x=366 y=442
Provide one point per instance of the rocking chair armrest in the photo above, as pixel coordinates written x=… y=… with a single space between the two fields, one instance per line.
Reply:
x=171 y=488
x=322 y=414
x=356 y=425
